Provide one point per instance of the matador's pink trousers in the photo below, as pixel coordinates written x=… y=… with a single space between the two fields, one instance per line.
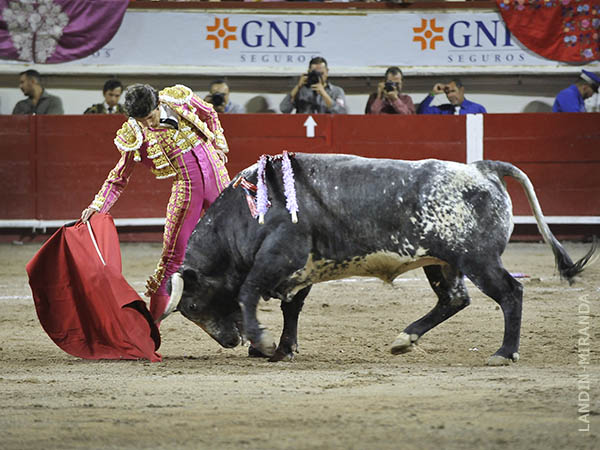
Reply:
x=194 y=190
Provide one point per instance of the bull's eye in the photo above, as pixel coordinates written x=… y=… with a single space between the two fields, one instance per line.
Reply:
x=193 y=307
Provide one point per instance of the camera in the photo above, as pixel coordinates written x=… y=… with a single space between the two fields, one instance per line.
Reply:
x=217 y=99
x=313 y=77
x=390 y=86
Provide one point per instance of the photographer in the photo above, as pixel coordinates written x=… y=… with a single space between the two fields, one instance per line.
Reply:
x=455 y=93
x=218 y=96
x=388 y=99
x=314 y=94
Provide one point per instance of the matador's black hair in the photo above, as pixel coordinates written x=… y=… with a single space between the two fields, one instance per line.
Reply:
x=140 y=100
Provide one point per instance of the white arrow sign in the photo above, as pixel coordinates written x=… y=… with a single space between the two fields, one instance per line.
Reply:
x=310 y=125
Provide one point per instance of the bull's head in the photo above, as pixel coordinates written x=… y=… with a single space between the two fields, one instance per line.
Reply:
x=207 y=303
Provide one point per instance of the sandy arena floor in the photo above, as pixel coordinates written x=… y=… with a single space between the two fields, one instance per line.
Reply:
x=343 y=391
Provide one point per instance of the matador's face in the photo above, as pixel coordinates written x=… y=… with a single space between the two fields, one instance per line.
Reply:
x=152 y=120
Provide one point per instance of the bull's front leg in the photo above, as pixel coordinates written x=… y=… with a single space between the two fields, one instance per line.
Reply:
x=259 y=336
x=288 y=344
x=284 y=251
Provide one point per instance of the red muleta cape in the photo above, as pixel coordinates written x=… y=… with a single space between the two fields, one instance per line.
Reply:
x=87 y=308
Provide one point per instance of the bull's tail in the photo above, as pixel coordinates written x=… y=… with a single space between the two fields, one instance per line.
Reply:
x=566 y=267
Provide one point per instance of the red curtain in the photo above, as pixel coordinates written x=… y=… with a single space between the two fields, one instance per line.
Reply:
x=84 y=304
x=560 y=30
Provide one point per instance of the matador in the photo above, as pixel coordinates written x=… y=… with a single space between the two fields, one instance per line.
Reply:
x=179 y=137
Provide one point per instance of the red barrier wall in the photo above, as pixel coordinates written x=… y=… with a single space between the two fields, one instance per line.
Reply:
x=51 y=166
x=387 y=136
x=559 y=152
x=18 y=186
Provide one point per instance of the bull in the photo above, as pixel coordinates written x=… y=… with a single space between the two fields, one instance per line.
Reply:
x=357 y=217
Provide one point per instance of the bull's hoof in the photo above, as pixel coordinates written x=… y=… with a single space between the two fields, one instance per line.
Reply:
x=499 y=360
x=266 y=345
x=404 y=343
x=254 y=353
x=280 y=355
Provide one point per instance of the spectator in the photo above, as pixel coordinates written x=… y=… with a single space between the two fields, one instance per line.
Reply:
x=313 y=93
x=218 y=96
x=38 y=101
x=388 y=99
x=572 y=99
x=455 y=93
x=179 y=137
x=259 y=104
x=112 y=91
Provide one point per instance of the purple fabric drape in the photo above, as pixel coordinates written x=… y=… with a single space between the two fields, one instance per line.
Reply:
x=56 y=31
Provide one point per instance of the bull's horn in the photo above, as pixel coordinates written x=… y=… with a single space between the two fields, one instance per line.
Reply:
x=176 y=293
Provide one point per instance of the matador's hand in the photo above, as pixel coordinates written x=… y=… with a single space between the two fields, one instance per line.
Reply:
x=86 y=214
x=222 y=155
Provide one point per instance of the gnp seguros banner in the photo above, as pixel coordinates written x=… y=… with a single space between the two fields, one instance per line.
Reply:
x=284 y=43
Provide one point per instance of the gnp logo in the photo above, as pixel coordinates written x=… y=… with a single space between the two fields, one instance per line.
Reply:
x=470 y=41
x=429 y=35
x=222 y=33
x=265 y=41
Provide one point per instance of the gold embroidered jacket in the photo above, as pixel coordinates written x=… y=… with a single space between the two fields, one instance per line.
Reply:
x=198 y=122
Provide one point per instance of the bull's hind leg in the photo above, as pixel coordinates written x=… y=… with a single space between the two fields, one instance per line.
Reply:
x=494 y=281
x=288 y=344
x=452 y=295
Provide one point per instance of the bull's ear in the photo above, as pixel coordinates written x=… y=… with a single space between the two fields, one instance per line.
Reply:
x=190 y=276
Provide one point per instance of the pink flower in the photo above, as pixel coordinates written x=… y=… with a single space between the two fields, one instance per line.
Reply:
x=289 y=188
x=262 y=199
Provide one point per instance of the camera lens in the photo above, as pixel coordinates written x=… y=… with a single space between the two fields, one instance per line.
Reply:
x=217 y=99
x=313 y=78
x=390 y=86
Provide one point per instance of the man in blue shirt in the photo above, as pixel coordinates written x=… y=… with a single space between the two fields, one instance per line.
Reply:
x=455 y=93
x=572 y=99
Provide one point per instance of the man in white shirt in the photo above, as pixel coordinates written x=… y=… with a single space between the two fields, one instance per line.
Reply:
x=112 y=91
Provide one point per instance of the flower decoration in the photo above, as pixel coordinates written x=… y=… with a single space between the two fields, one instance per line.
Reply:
x=262 y=196
x=57 y=31
x=35 y=28
x=583 y=8
x=560 y=30
x=587 y=53
x=289 y=187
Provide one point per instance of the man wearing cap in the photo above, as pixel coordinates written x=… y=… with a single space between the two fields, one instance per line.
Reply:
x=572 y=99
